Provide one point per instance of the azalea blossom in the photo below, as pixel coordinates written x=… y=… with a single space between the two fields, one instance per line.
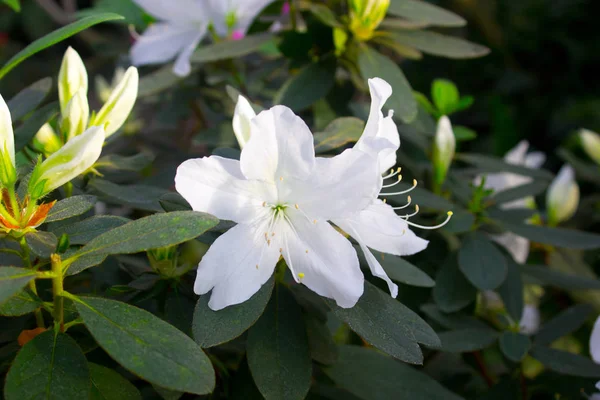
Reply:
x=595 y=350
x=516 y=245
x=281 y=197
x=562 y=198
x=182 y=25
x=444 y=147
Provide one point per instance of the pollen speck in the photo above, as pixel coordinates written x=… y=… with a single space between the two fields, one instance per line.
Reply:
x=306 y=251
x=256 y=266
x=414 y=182
x=268 y=242
x=300 y=275
x=315 y=221
x=296 y=205
x=384 y=201
x=264 y=204
x=281 y=178
x=399 y=178
x=280 y=249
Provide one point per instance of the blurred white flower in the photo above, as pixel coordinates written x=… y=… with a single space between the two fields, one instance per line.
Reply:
x=444 y=146
x=281 y=197
x=517 y=246
x=562 y=198
x=590 y=141
x=182 y=25
x=104 y=88
x=243 y=115
x=530 y=320
x=8 y=172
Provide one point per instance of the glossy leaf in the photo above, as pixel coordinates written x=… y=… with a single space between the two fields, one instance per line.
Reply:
x=310 y=84
x=452 y=291
x=560 y=237
x=467 y=340
x=566 y=363
x=147 y=346
x=514 y=345
x=81 y=232
x=338 y=133
x=71 y=207
x=12 y=280
x=563 y=323
x=109 y=384
x=400 y=270
x=29 y=98
x=28 y=129
x=482 y=263
x=422 y=11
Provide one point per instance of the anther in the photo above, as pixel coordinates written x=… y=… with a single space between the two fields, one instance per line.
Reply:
x=384 y=201
x=264 y=204
x=307 y=251
x=300 y=275
x=256 y=266
x=315 y=221
x=392 y=173
x=281 y=249
x=281 y=178
x=268 y=242
x=296 y=205
x=407 y=216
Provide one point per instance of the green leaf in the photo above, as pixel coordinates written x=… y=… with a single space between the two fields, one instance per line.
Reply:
x=452 y=291
x=421 y=11
x=463 y=134
x=12 y=280
x=388 y=325
x=445 y=95
x=55 y=37
x=142 y=197
x=212 y=328
x=82 y=263
x=325 y=15
x=108 y=384
x=514 y=345
x=277 y=349
x=481 y=262
x=231 y=49
x=424 y=102
x=41 y=244
x=173 y=201
x=115 y=162
x=400 y=270
x=564 y=323
x=440 y=45
x=29 y=98
x=511 y=290
x=461 y=222
x=492 y=164
x=82 y=232
x=14 y=4
x=153 y=232
x=371 y=375
x=558 y=237
x=310 y=84
x=27 y=130
x=455 y=321
x=424 y=198
x=543 y=275
x=147 y=346
x=71 y=207
x=338 y=133
x=21 y=303
x=467 y=340
x=322 y=346
x=373 y=64
x=566 y=363
x=520 y=192
x=49 y=367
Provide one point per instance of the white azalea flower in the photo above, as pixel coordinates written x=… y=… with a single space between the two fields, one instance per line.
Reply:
x=562 y=198
x=530 y=320
x=182 y=25
x=517 y=246
x=281 y=197
x=244 y=113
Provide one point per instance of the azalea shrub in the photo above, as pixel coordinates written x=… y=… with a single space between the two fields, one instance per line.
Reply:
x=247 y=199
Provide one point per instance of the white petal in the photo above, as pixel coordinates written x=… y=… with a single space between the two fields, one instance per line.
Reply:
x=340 y=185
x=7 y=138
x=380 y=228
x=323 y=260
x=516 y=245
x=280 y=147
x=76 y=115
x=244 y=113
x=74 y=158
x=535 y=160
x=595 y=342
x=183 y=66
x=119 y=104
x=517 y=154
x=562 y=197
x=72 y=78
x=246 y=11
x=530 y=320
x=161 y=42
x=179 y=11
x=229 y=267
x=215 y=185
x=378 y=271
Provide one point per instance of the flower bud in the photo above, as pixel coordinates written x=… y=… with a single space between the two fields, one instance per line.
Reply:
x=72 y=77
x=562 y=197
x=365 y=16
x=76 y=115
x=241 y=120
x=8 y=173
x=103 y=88
x=74 y=158
x=117 y=108
x=46 y=140
x=591 y=144
x=444 y=146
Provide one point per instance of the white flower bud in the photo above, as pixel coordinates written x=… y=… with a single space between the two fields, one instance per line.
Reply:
x=590 y=141
x=8 y=173
x=76 y=115
x=242 y=116
x=71 y=78
x=47 y=140
x=444 y=147
x=562 y=198
x=117 y=108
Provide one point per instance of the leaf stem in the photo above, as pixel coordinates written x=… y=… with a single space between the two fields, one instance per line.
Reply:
x=57 y=291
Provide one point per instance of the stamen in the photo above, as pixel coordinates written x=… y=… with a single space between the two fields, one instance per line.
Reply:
x=264 y=204
x=296 y=205
x=407 y=216
x=432 y=227
x=300 y=275
x=307 y=251
x=256 y=266
x=392 y=173
x=303 y=213
x=404 y=206
x=281 y=178
x=384 y=201
x=393 y=184
x=402 y=192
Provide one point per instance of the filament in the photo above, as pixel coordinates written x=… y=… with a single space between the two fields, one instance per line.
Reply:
x=393 y=184
x=402 y=192
x=393 y=173
x=407 y=216
x=449 y=216
x=404 y=206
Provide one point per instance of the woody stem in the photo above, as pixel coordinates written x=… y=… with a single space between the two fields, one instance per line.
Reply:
x=57 y=291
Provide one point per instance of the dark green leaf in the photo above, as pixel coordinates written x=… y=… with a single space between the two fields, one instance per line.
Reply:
x=26 y=132
x=452 y=291
x=511 y=291
x=325 y=15
x=174 y=202
x=559 y=237
x=463 y=134
x=277 y=349
x=373 y=64
x=400 y=270
x=21 y=303
x=12 y=280
x=514 y=345
x=231 y=49
x=564 y=323
x=82 y=232
x=461 y=222
x=467 y=340
x=55 y=37
x=481 y=262
x=41 y=244
x=212 y=328
x=374 y=376
x=388 y=325
x=520 y=192
x=566 y=363
x=116 y=162
x=82 y=263
x=543 y=275
x=49 y=367
x=454 y=321
x=322 y=346
x=440 y=45
x=338 y=133
x=137 y=196
x=310 y=84
x=14 y=4
x=147 y=346
x=492 y=164
x=71 y=207
x=424 y=198
x=110 y=385
x=29 y=98
x=425 y=12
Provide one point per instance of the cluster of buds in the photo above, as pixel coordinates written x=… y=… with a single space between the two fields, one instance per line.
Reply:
x=74 y=107
x=365 y=17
